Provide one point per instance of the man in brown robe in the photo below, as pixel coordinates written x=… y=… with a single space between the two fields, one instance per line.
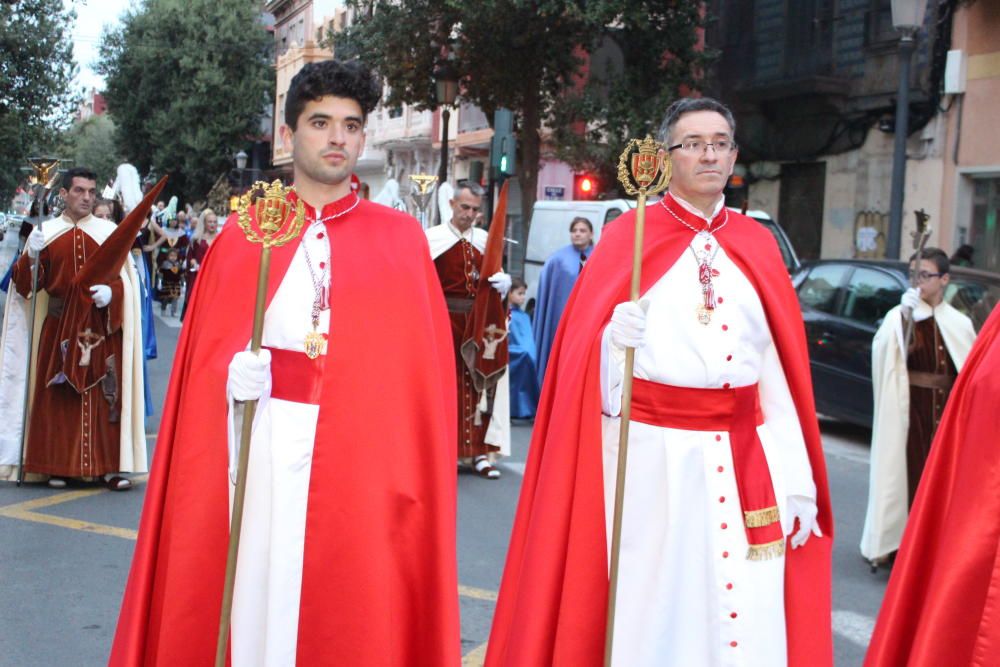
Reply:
x=457 y=248
x=95 y=432
x=910 y=388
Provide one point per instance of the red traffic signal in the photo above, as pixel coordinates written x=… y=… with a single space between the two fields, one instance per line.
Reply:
x=584 y=186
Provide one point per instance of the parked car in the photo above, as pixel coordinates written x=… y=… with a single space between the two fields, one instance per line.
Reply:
x=550 y=231
x=843 y=303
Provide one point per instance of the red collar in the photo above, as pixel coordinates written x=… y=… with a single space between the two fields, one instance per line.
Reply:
x=333 y=208
x=696 y=221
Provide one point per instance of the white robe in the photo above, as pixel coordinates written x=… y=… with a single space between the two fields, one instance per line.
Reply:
x=272 y=542
x=14 y=351
x=888 y=485
x=687 y=595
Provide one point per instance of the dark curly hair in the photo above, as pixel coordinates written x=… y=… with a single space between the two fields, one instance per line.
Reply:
x=349 y=79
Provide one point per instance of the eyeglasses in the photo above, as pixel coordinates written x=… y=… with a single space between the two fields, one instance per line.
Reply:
x=721 y=147
x=924 y=276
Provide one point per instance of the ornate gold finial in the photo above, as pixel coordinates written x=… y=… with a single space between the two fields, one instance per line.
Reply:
x=644 y=167
x=271 y=211
x=423 y=181
x=44 y=169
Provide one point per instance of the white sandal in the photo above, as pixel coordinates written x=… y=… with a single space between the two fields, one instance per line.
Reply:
x=484 y=468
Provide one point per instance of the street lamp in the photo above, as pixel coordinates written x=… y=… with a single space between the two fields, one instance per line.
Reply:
x=446 y=82
x=241 y=166
x=907 y=18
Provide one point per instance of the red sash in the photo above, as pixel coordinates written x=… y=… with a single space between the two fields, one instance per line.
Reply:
x=295 y=377
x=736 y=411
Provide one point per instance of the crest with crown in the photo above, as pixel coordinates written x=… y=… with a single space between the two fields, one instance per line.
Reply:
x=271 y=209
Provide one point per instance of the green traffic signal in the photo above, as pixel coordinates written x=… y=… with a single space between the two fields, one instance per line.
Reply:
x=503 y=164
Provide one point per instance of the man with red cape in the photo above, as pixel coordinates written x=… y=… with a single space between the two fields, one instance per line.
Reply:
x=347 y=555
x=943 y=600
x=725 y=463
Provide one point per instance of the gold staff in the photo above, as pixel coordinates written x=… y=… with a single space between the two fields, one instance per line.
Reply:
x=643 y=169
x=270 y=213
x=44 y=174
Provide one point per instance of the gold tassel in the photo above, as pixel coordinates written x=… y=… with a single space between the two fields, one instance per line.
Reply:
x=766 y=551
x=761 y=518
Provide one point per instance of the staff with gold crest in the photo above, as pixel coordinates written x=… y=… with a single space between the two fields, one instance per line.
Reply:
x=278 y=221
x=707 y=540
x=291 y=352
x=643 y=170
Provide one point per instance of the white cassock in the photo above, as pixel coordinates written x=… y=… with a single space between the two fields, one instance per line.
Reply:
x=265 y=617
x=687 y=595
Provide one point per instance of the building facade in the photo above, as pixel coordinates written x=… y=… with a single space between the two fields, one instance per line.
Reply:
x=813 y=86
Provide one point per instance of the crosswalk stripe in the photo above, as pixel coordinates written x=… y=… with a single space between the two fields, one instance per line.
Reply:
x=854 y=627
x=475 y=657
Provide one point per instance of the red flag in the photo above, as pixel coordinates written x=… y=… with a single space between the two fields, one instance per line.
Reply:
x=484 y=346
x=81 y=330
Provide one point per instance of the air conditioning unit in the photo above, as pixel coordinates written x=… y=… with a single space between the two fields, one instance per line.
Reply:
x=954 y=72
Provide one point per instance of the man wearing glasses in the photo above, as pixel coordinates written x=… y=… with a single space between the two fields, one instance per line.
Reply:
x=726 y=533
x=911 y=385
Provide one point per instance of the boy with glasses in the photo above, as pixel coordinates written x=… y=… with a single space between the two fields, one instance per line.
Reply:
x=911 y=385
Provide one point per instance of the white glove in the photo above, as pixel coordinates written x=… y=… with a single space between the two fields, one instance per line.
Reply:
x=35 y=243
x=910 y=300
x=249 y=375
x=628 y=324
x=804 y=509
x=101 y=294
x=914 y=306
x=500 y=281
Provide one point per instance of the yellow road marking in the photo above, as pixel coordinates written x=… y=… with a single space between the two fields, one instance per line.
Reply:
x=74 y=524
x=55 y=499
x=23 y=512
x=63 y=497
x=475 y=657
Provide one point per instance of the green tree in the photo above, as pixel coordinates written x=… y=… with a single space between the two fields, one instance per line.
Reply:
x=91 y=143
x=188 y=82
x=653 y=54
x=530 y=56
x=36 y=70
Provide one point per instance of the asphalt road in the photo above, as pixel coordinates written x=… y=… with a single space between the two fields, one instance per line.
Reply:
x=65 y=554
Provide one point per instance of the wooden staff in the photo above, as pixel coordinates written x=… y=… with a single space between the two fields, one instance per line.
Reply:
x=920 y=237
x=43 y=168
x=271 y=212
x=643 y=169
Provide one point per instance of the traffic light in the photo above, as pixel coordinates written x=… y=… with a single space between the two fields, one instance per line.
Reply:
x=585 y=186
x=504 y=146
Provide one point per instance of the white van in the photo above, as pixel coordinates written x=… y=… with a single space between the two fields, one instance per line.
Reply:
x=550 y=230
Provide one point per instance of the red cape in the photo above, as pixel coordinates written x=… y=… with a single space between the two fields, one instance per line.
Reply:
x=942 y=606
x=379 y=585
x=553 y=597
